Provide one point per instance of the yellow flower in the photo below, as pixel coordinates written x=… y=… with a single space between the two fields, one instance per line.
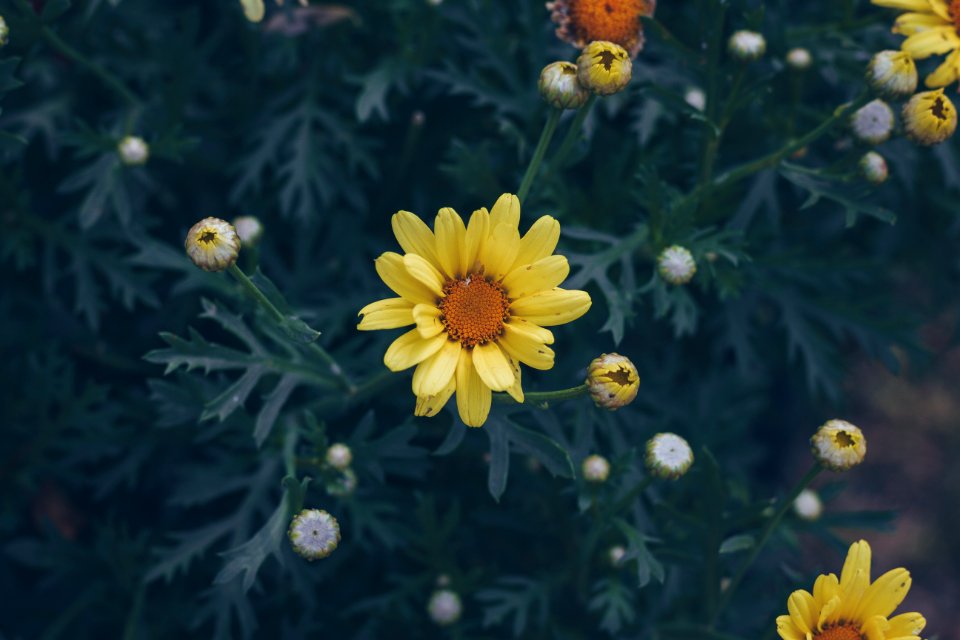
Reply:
x=613 y=381
x=212 y=244
x=480 y=297
x=604 y=67
x=852 y=608
x=929 y=117
x=583 y=21
x=932 y=28
x=839 y=445
x=560 y=88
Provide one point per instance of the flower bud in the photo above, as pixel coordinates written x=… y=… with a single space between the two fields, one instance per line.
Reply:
x=133 y=151
x=4 y=32
x=604 y=67
x=314 y=534
x=444 y=607
x=873 y=122
x=808 y=505
x=595 y=469
x=929 y=117
x=212 y=244
x=696 y=98
x=799 y=59
x=892 y=74
x=616 y=554
x=668 y=456
x=747 y=46
x=874 y=167
x=560 y=88
x=249 y=229
x=339 y=456
x=676 y=265
x=613 y=381
x=253 y=9
x=344 y=484
x=839 y=445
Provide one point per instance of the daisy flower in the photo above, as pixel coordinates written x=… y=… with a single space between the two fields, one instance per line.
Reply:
x=580 y=22
x=932 y=28
x=479 y=296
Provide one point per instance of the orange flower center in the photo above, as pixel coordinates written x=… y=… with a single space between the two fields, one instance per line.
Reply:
x=955 y=13
x=840 y=632
x=473 y=310
x=613 y=20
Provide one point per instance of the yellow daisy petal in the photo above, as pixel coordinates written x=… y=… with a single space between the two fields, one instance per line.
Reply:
x=515 y=390
x=521 y=346
x=451 y=242
x=394 y=274
x=506 y=211
x=539 y=242
x=477 y=231
x=429 y=406
x=803 y=610
x=885 y=594
x=910 y=23
x=941 y=8
x=829 y=613
x=825 y=587
x=434 y=374
x=788 y=630
x=390 y=313
x=906 y=625
x=473 y=396
x=536 y=332
x=427 y=318
x=410 y=349
x=905 y=5
x=550 y=308
x=931 y=42
x=542 y=275
x=415 y=236
x=500 y=250
x=947 y=73
x=875 y=628
x=493 y=366
x=424 y=272
x=856 y=569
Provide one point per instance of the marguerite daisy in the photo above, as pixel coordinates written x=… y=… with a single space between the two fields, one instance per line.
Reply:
x=932 y=28
x=480 y=297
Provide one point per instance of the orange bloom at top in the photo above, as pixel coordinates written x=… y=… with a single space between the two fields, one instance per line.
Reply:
x=580 y=22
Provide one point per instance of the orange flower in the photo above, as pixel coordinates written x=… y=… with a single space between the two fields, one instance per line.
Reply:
x=580 y=22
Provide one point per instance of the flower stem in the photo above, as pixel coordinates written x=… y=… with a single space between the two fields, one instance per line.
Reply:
x=542 y=399
x=764 y=537
x=545 y=136
x=573 y=133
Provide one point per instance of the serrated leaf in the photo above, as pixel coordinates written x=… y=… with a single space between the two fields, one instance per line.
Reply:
x=554 y=457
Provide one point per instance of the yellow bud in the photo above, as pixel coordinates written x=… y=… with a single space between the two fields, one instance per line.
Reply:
x=929 y=117
x=839 y=445
x=212 y=244
x=613 y=381
x=892 y=74
x=604 y=67
x=559 y=86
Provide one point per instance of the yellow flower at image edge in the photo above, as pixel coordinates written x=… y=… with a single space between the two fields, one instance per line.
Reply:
x=212 y=244
x=932 y=28
x=852 y=608
x=929 y=117
x=479 y=296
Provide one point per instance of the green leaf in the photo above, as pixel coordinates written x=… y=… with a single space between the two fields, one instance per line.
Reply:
x=648 y=567
x=499 y=458
x=737 y=543
x=853 y=201
x=296 y=330
x=53 y=9
x=554 y=457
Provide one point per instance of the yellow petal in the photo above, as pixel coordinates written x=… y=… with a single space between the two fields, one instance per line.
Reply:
x=906 y=625
x=941 y=8
x=536 y=332
x=875 y=628
x=521 y=346
x=854 y=578
x=492 y=366
x=451 y=242
x=390 y=313
x=931 y=42
x=910 y=23
x=415 y=236
x=473 y=397
x=394 y=274
x=435 y=373
x=477 y=232
x=550 y=308
x=825 y=587
x=947 y=73
x=426 y=273
x=539 y=241
x=905 y=5
x=803 y=610
x=516 y=389
x=885 y=594
x=541 y=275
x=830 y=612
x=428 y=322
x=500 y=250
x=787 y=629
x=506 y=211
x=430 y=406
x=410 y=349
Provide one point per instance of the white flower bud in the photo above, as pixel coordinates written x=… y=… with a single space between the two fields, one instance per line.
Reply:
x=676 y=265
x=133 y=151
x=873 y=122
x=874 y=167
x=799 y=59
x=668 y=456
x=839 y=445
x=339 y=456
x=314 y=534
x=696 y=98
x=444 y=607
x=747 y=46
x=808 y=505
x=249 y=229
x=595 y=469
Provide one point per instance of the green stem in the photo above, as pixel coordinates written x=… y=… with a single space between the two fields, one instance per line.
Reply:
x=545 y=136
x=711 y=140
x=632 y=495
x=542 y=399
x=573 y=133
x=764 y=537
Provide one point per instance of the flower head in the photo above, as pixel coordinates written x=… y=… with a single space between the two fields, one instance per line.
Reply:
x=873 y=122
x=676 y=265
x=212 y=244
x=932 y=28
x=4 y=32
x=892 y=74
x=444 y=607
x=808 y=505
x=249 y=229
x=339 y=456
x=853 y=607
x=480 y=297
x=580 y=22
x=133 y=151
x=314 y=534
x=874 y=167
x=560 y=88
x=668 y=456
x=613 y=381
x=747 y=46
x=799 y=59
x=839 y=445
x=595 y=469
x=604 y=67
x=929 y=117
